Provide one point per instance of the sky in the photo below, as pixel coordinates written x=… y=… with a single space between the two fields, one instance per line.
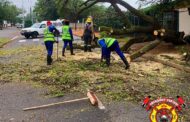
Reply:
x=26 y=4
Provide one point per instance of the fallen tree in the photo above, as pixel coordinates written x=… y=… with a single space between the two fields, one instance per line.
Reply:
x=152 y=26
x=132 y=41
x=145 y=49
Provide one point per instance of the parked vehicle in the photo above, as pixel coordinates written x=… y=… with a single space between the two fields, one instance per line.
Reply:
x=37 y=29
x=18 y=25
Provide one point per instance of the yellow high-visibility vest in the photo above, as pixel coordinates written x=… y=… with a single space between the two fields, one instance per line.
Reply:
x=65 y=33
x=48 y=36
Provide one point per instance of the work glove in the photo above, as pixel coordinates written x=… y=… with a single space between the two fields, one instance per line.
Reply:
x=56 y=33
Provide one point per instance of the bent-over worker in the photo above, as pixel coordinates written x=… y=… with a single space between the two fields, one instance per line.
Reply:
x=108 y=45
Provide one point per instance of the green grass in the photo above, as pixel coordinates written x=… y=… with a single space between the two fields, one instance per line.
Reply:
x=3 y=41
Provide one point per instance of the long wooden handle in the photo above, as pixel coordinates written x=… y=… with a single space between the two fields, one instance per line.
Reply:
x=57 y=47
x=53 y=104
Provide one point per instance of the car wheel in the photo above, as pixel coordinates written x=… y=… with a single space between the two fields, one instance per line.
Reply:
x=27 y=36
x=34 y=35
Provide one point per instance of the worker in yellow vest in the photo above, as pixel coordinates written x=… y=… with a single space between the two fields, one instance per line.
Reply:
x=49 y=40
x=67 y=37
x=110 y=44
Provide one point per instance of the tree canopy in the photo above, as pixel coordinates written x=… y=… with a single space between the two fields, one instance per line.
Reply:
x=9 y=12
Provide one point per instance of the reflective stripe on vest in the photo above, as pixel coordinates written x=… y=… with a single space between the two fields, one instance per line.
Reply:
x=66 y=35
x=48 y=36
x=109 y=41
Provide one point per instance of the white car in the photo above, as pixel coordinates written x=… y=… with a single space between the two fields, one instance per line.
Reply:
x=37 y=29
x=18 y=25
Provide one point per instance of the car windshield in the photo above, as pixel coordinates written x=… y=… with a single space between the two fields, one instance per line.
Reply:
x=36 y=25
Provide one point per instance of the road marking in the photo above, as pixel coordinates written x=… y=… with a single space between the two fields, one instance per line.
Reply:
x=35 y=40
x=14 y=38
x=22 y=41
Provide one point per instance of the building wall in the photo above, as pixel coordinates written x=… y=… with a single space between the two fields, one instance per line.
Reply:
x=184 y=21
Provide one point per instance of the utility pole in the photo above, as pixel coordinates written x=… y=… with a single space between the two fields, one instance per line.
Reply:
x=23 y=13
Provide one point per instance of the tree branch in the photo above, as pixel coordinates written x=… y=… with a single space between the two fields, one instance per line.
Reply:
x=137 y=12
x=124 y=17
x=87 y=7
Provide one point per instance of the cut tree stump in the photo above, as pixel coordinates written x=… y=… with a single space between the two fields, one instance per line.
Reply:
x=168 y=63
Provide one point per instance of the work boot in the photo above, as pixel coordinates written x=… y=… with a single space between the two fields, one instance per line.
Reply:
x=49 y=60
x=72 y=51
x=85 y=48
x=126 y=63
x=108 y=61
x=89 y=49
x=63 y=52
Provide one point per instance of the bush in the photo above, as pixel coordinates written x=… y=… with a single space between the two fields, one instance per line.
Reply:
x=27 y=23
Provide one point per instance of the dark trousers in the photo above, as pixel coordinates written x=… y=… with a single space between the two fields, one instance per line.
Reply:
x=115 y=47
x=49 y=47
x=66 y=43
x=87 y=42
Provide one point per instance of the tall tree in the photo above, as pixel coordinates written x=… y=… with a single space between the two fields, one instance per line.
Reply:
x=46 y=10
x=8 y=11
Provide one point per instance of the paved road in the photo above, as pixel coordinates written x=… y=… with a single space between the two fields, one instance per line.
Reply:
x=18 y=40
x=9 y=32
x=15 y=96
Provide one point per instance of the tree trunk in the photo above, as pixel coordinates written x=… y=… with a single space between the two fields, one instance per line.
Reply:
x=138 y=29
x=145 y=49
x=132 y=41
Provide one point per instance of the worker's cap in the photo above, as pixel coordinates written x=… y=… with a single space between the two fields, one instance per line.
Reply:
x=49 y=23
x=89 y=20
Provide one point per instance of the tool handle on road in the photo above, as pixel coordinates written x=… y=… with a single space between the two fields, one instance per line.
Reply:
x=53 y=104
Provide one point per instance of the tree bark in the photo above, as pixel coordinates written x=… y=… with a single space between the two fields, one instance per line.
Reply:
x=145 y=49
x=132 y=41
x=138 y=29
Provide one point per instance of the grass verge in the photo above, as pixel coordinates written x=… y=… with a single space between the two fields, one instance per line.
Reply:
x=3 y=41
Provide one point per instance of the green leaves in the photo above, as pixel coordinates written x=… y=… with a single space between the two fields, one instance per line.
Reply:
x=8 y=11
